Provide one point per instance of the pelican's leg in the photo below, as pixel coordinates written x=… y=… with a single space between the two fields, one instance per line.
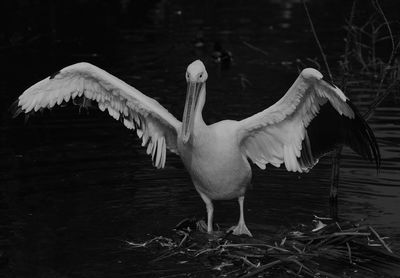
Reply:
x=241 y=228
x=210 y=211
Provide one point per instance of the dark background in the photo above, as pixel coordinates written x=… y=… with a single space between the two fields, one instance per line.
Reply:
x=75 y=186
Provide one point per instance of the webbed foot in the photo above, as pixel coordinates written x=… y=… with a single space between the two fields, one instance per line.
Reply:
x=240 y=229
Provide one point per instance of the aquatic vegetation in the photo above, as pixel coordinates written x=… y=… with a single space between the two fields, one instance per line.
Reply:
x=362 y=68
x=325 y=248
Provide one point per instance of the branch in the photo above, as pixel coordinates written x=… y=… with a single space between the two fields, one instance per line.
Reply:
x=317 y=40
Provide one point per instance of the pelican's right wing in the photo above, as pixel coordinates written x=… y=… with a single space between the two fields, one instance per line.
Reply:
x=154 y=124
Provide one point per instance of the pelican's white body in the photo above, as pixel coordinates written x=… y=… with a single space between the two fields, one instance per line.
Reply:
x=216 y=165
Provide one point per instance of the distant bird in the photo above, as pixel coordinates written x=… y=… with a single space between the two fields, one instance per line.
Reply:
x=222 y=56
x=199 y=44
x=311 y=119
x=199 y=41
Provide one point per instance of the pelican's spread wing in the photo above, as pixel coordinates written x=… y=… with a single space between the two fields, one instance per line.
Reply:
x=153 y=123
x=311 y=119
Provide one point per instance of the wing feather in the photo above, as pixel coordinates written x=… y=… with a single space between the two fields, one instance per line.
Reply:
x=153 y=123
x=311 y=119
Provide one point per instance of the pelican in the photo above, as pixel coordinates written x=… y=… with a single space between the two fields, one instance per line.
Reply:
x=295 y=131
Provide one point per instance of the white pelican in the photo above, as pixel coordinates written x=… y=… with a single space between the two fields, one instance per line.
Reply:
x=217 y=156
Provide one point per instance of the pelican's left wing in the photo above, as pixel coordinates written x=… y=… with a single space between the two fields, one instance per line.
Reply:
x=153 y=123
x=310 y=120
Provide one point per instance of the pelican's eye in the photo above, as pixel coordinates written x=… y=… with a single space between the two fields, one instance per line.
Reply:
x=201 y=75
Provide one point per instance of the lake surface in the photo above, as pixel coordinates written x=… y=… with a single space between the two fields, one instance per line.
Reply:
x=75 y=186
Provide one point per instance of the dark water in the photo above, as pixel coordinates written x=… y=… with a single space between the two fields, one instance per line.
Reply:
x=75 y=186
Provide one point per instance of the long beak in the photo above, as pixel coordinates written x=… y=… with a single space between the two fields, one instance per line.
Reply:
x=192 y=96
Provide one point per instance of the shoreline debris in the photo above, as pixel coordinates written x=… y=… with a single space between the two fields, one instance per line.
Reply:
x=325 y=248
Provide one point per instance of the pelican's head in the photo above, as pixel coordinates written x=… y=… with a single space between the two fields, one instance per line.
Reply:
x=196 y=72
x=196 y=76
